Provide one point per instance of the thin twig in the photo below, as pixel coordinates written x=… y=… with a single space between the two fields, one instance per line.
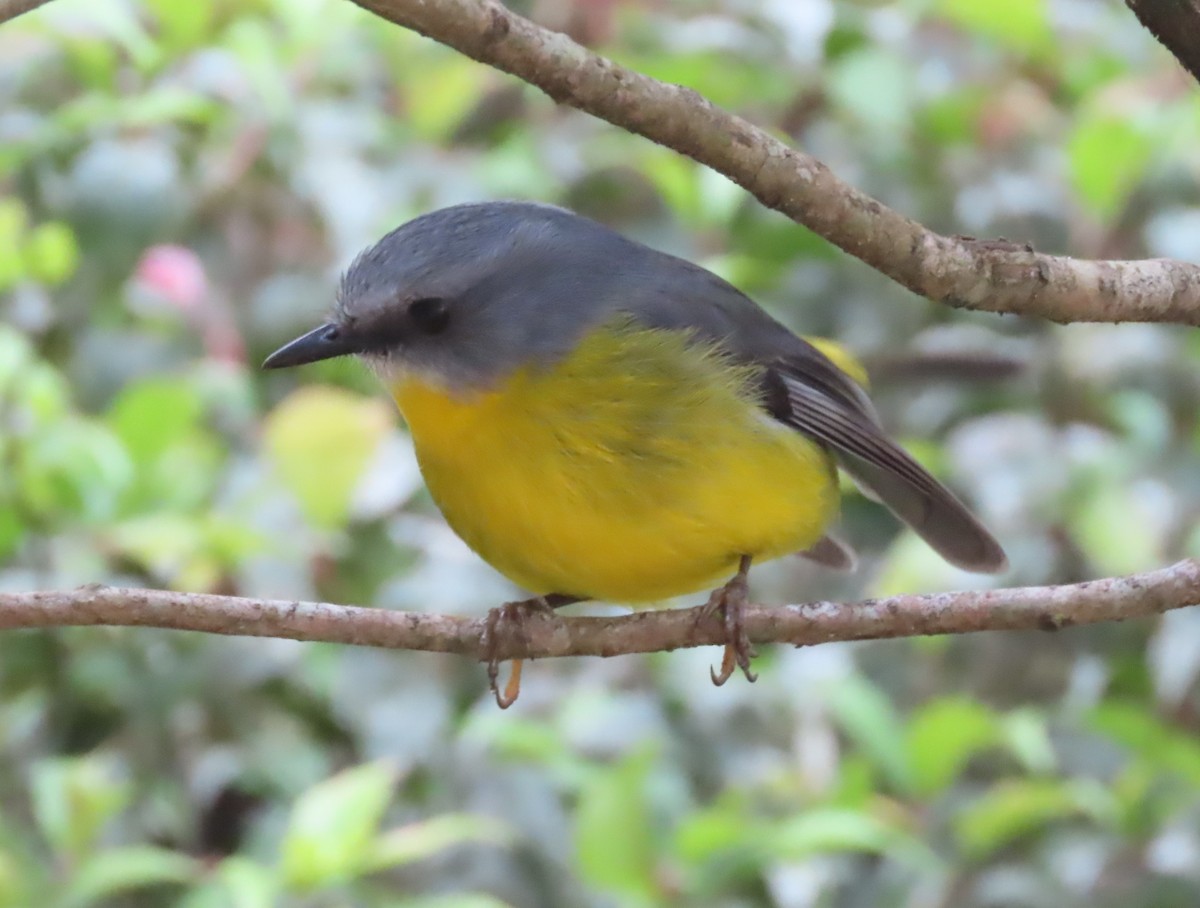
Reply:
x=1046 y=608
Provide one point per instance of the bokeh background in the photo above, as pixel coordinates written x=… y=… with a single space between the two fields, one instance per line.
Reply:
x=180 y=183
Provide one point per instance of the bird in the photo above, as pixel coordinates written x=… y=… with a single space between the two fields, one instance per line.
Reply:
x=601 y=420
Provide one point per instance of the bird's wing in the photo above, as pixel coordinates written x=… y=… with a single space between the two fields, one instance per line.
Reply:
x=814 y=398
x=803 y=389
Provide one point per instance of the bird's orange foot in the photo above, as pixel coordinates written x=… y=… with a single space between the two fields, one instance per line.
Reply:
x=515 y=614
x=731 y=601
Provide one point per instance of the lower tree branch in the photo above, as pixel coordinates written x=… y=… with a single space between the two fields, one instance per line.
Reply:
x=1028 y=608
x=958 y=271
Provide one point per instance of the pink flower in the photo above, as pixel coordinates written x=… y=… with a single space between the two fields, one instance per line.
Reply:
x=174 y=273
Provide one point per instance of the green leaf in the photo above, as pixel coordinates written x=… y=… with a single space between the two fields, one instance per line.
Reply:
x=417 y=841
x=831 y=829
x=187 y=550
x=1019 y=808
x=16 y=354
x=726 y=79
x=1021 y=25
x=1141 y=801
x=151 y=415
x=12 y=528
x=1140 y=731
x=1115 y=531
x=330 y=836
x=321 y=440
x=42 y=397
x=523 y=739
x=73 y=468
x=942 y=737
x=706 y=833
x=677 y=180
x=50 y=252
x=231 y=541
x=72 y=800
x=446 y=91
x=1108 y=153
x=855 y=782
x=18 y=882
x=108 y=873
x=182 y=25
x=161 y=543
x=454 y=900
x=614 y=835
x=165 y=105
x=93 y=61
x=237 y=882
x=951 y=118
x=256 y=45
x=160 y=422
x=1025 y=734
x=121 y=25
x=875 y=87
x=13 y=218
x=868 y=719
x=153 y=107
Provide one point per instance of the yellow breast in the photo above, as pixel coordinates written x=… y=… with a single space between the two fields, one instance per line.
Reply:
x=637 y=469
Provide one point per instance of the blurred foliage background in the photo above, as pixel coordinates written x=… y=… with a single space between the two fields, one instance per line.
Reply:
x=180 y=184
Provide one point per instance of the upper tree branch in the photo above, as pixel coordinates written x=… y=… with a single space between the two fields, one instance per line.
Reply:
x=10 y=9
x=1176 y=24
x=958 y=271
x=1046 y=608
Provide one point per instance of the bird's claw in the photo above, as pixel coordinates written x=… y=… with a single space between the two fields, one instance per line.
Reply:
x=731 y=600
x=514 y=613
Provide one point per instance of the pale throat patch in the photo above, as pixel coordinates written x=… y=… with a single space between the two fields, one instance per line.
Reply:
x=396 y=371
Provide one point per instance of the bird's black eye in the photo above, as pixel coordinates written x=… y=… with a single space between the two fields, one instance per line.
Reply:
x=429 y=314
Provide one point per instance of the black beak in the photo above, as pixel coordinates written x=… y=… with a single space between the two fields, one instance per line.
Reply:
x=324 y=342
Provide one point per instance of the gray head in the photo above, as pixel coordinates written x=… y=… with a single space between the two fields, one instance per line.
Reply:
x=466 y=295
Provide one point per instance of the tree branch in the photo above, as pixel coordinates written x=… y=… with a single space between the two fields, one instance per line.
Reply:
x=986 y=275
x=959 y=271
x=10 y=9
x=1176 y=25
x=1028 y=608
